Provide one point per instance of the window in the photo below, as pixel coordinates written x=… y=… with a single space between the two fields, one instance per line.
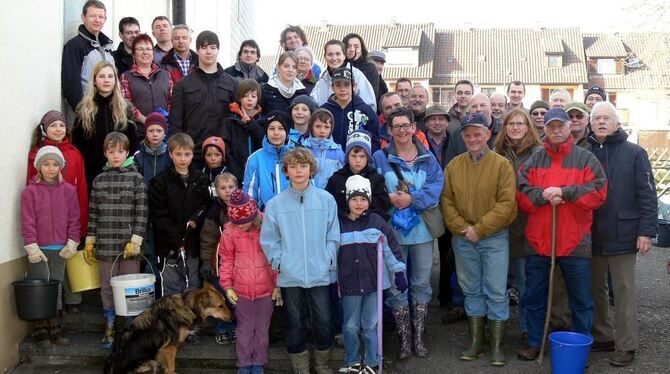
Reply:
x=488 y=90
x=442 y=95
x=554 y=61
x=606 y=66
x=402 y=56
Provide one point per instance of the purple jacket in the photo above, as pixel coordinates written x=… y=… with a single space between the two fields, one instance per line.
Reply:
x=49 y=213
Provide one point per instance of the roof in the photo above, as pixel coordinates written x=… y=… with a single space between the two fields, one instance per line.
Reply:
x=603 y=45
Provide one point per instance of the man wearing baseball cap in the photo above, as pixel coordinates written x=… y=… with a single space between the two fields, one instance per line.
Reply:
x=379 y=58
x=579 y=120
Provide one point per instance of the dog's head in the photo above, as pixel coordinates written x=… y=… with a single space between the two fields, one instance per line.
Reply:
x=210 y=303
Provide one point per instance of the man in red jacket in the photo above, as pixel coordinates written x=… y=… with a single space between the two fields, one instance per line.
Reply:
x=571 y=179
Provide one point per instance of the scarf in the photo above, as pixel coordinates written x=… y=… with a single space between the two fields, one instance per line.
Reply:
x=284 y=90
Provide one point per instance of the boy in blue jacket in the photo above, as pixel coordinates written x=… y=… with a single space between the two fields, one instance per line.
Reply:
x=328 y=154
x=300 y=236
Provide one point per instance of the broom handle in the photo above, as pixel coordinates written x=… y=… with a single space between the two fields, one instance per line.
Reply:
x=380 y=305
x=551 y=282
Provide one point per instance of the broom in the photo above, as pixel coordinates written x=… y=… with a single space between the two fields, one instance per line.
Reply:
x=551 y=282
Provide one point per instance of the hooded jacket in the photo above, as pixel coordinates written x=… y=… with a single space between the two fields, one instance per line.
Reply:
x=329 y=158
x=210 y=234
x=336 y=186
x=242 y=139
x=348 y=120
x=323 y=89
x=150 y=162
x=169 y=63
x=237 y=71
x=49 y=214
x=263 y=176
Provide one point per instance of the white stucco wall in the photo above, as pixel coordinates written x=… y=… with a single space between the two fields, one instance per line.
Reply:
x=648 y=109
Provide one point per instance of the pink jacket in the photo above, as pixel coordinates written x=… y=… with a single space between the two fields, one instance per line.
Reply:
x=49 y=213
x=244 y=266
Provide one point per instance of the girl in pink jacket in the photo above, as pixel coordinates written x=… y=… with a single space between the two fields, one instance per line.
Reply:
x=249 y=281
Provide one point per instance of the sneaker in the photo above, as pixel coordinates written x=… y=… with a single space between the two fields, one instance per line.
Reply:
x=513 y=296
x=370 y=369
x=226 y=338
x=603 y=346
x=352 y=369
x=622 y=358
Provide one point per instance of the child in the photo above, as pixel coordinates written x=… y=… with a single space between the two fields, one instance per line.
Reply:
x=117 y=221
x=357 y=274
x=243 y=128
x=300 y=236
x=50 y=229
x=214 y=150
x=178 y=200
x=217 y=216
x=249 y=281
x=263 y=177
x=350 y=113
x=328 y=154
x=301 y=108
x=358 y=157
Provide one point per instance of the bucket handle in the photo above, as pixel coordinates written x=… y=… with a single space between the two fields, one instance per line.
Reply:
x=25 y=276
x=111 y=271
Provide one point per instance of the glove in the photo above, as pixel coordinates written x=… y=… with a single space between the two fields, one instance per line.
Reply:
x=69 y=250
x=35 y=254
x=276 y=296
x=400 y=281
x=232 y=296
x=206 y=271
x=89 y=249
x=133 y=247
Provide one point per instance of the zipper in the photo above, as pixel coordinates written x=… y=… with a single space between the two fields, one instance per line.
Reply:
x=304 y=237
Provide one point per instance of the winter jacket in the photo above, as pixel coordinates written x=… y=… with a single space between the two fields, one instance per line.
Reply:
x=118 y=209
x=80 y=55
x=584 y=188
x=146 y=93
x=456 y=145
x=455 y=117
x=329 y=158
x=244 y=267
x=211 y=174
x=357 y=255
x=631 y=208
x=300 y=235
x=49 y=214
x=263 y=176
x=199 y=106
x=425 y=176
x=238 y=72
x=336 y=186
x=383 y=89
x=92 y=149
x=242 y=139
x=369 y=69
x=210 y=234
x=122 y=59
x=150 y=162
x=169 y=63
x=174 y=202
x=309 y=81
x=348 y=120
x=479 y=194
x=323 y=88
x=443 y=151
x=272 y=99
x=73 y=173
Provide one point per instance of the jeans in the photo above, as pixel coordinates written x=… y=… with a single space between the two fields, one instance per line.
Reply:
x=457 y=297
x=482 y=273
x=173 y=281
x=360 y=312
x=318 y=303
x=577 y=276
x=518 y=268
x=419 y=261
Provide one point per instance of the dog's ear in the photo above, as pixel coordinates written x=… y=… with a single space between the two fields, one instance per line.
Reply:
x=206 y=285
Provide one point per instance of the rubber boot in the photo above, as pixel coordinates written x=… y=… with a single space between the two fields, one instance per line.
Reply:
x=108 y=339
x=477 y=333
x=300 y=362
x=322 y=362
x=420 y=312
x=401 y=316
x=41 y=334
x=56 y=331
x=497 y=337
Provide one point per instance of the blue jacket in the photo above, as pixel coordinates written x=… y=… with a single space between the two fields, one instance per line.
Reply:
x=263 y=177
x=150 y=162
x=348 y=121
x=631 y=208
x=427 y=178
x=329 y=158
x=300 y=235
x=357 y=255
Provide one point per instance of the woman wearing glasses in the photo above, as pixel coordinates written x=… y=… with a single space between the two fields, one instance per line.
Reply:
x=305 y=72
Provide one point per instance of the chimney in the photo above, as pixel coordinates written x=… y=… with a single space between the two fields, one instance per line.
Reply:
x=394 y=22
x=323 y=25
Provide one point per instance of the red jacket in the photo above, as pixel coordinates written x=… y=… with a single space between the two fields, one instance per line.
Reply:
x=244 y=266
x=73 y=173
x=584 y=187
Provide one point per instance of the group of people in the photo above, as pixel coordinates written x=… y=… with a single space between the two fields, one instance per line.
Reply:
x=280 y=188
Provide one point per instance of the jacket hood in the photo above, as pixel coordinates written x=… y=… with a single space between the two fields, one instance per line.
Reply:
x=239 y=66
x=270 y=148
x=128 y=166
x=161 y=149
x=320 y=144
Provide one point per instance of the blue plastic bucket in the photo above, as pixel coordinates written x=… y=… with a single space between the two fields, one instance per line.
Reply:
x=569 y=352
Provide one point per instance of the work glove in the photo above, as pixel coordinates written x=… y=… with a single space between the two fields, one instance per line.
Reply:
x=276 y=296
x=35 y=254
x=232 y=296
x=89 y=249
x=69 y=250
x=132 y=249
x=400 y=281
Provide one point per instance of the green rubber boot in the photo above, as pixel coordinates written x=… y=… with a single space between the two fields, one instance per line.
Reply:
x=497 y=337
x=477 y=333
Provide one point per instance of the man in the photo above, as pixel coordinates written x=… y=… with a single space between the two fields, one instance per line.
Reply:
x=463 y=91
x=403 y=86
x=478 y=204
x=630 y=208
x=594 y=95
x=201 y=99
x=246 y=66
x=129 y=28
x=379 y=58
x=516 y=91
x=84 y=51
x=389 y=102
x=161 y=29
x=498 y=105
x=579 y=119
x=180 y=60
x=559 y=98
x=418 y=100
x=570 y=179
x=537 y=112
x=292 y=37
x=479 y=103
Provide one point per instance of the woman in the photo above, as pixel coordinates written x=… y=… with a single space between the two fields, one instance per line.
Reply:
x=419 y=190
x=101 y=111
x=357 y=53
x=278 y=92
x=305 y=72
x=334 y=53
x=145 y=86
x=516 y=141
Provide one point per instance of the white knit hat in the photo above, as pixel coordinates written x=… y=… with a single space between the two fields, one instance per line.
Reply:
x=49 y=152
x=357 y=185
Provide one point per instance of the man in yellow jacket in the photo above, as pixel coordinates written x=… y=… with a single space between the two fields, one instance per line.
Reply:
x=478 y=203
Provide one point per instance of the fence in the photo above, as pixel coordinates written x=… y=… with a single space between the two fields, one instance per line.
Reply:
x=660 y=166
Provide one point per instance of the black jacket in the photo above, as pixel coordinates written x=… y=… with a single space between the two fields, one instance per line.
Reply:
x=236 y=71
x=241 y=141
x=122 y=59
x=631 y=208
x=336 y=186
x=369 y=69
x=169 y=63
x=271 y=99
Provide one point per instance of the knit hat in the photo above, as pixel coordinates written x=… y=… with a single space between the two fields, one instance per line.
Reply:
x=359 y=138
x=215 y=141
x=242 y=208
x=51 y=116
x=49 y=152
x=357 y=185
x=303 y=99
x=539 y=104
x=155 y=118
x=281 y=117
x=598 y=91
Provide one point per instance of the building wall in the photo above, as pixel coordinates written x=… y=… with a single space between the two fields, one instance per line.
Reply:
x=647 y=109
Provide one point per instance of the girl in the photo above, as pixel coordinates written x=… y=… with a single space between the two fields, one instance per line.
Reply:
x=249 y=281
x=301 y=108
x=214 y=151
x=357 y=53
x=284 y=86
x=50 y=229
x=328 y=154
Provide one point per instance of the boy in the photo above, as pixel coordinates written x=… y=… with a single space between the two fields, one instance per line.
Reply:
x=117 y=221
x=300 y=236
x=350 y=113
x=178 y=200
x=328 y=154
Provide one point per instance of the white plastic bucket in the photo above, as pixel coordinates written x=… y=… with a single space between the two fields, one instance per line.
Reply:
x=133 y=293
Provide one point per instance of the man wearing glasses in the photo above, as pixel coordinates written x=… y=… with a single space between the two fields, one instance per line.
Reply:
x=579 y=119
x=463 y=92
x=537 y=112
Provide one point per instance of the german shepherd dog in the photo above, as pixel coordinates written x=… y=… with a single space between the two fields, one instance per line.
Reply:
x=150 y=343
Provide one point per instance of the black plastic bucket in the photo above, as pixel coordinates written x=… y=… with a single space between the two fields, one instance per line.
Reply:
x=663 y=238
x=36 y=299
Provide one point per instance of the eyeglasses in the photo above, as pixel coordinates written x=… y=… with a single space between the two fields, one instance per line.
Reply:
x=144 y=49
x=578 y=115
x=538 y=113
x=304 y=59
x=516 y=124
x=404 y=126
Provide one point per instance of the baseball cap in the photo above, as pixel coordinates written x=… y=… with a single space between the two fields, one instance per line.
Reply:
x=556 y=114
